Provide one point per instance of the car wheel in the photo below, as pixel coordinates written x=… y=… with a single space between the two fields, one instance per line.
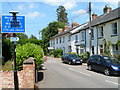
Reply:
x=89 y=67
x=107 y=72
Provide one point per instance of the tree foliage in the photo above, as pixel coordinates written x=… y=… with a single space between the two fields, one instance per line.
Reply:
x=32 y=37
x=22 y=36
x=49 y=31
x=57 y=53
x=26 y=51
x=61 y=14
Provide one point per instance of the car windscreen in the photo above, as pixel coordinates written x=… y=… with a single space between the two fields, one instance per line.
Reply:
x=111 y=60
x=73 y=56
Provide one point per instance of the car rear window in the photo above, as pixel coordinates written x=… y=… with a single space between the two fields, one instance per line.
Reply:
x=112 y=60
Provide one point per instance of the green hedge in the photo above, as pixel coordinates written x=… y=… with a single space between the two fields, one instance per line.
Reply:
x=57 y=53
x=26 y=51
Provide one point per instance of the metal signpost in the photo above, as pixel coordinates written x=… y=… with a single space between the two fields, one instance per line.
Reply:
x=13 y=24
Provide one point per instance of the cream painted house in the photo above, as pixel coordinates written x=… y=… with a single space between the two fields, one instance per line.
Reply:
x=104 y=27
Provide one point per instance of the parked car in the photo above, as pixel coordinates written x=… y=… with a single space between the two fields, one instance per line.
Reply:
x=71 y=59
x=107 y=64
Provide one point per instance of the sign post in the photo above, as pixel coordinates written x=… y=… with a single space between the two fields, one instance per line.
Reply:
x=14 y=24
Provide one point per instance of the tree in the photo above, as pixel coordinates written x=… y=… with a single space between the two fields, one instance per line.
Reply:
x=22 y=36
x=32 y=37
x=49 y=31
x=62 y=15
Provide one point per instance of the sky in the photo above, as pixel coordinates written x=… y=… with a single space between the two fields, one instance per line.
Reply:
x=39 y=13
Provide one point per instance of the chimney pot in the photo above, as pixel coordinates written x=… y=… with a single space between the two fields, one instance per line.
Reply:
x=94 y=16
x=107 y=9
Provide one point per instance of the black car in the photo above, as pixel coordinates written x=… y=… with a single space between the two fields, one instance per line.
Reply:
x=71 y=59
x=107 y=64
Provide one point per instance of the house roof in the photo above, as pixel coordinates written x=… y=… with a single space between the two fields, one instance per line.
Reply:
x=112 y=15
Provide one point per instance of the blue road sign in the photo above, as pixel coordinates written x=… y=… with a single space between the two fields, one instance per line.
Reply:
x=13 y=25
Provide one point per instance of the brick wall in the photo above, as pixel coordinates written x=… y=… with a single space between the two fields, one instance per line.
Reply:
x=26 y=77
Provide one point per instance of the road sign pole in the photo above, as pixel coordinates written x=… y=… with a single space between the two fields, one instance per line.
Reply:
x=15 y=70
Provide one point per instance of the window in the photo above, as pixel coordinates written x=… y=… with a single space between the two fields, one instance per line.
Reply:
x=60 y=39
x=92 y=32
x=57 y=40
x=76 y=38
x=69 y=38
x=114 y=28
x=63 y=39
x=115 y=47
x=100 y=34
x=83 y=38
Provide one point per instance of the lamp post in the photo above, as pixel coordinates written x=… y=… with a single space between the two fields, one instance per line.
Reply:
x=13 y=24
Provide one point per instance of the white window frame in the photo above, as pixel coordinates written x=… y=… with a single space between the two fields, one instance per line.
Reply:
x=100 y=32
x=114 y=29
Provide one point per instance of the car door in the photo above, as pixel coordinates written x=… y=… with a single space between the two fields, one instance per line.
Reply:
x=99 y=64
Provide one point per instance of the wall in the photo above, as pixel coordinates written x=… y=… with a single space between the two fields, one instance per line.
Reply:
x=26 y=77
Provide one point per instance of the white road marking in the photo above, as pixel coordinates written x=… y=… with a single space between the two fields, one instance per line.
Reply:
x=79 y=72
x=112 y=82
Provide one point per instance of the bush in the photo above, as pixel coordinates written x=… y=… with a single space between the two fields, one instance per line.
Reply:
x=7 y=50
x=84 y=56
x=57 y=53
x=26 y=51
x=117 y=56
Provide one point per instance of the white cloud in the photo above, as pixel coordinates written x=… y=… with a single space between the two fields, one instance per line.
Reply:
x=20 y=7
x=81 y=11
x=34 y=14
x=32 y=5
x=68 y=4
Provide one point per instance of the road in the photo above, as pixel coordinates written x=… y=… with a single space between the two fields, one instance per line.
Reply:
x=60 y=75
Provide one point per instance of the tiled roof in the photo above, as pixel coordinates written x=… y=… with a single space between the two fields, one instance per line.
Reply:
x=112 y=15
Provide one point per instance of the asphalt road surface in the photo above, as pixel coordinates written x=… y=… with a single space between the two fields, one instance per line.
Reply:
x=61 y=75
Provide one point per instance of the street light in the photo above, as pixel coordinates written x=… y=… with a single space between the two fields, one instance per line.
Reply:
x=15 y=43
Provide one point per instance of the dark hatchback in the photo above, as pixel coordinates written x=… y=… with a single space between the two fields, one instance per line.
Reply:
x=71 y=59
x=107 y=64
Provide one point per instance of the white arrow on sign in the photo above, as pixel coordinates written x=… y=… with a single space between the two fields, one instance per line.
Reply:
x=14 y=39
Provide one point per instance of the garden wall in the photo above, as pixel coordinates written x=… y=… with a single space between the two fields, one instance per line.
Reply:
x=26 y=77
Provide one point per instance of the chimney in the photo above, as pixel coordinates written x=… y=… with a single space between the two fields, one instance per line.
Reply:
x=60 y=30
x=94 y=16
x=74 y=24
x=107 y=9
x=67 y=27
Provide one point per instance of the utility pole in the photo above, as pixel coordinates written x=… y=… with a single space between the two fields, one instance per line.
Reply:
x=90 y=29
x=13 y=23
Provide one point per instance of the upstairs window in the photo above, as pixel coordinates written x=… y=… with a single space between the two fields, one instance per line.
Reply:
x=92 y=32
x=69 y=38
x=100 y=32
x=76 y=38
x=57 y=40
x=63 y=39
x=60 y=39
x=83 y=36
x=114 y=28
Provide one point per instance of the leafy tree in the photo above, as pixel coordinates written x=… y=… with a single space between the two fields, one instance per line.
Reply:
x=61 y=14
x=32 y=37
x=22 y=36
x=26 y=51
x=49 y=31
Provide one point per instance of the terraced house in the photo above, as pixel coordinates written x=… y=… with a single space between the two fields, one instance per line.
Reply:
x=105 y=30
